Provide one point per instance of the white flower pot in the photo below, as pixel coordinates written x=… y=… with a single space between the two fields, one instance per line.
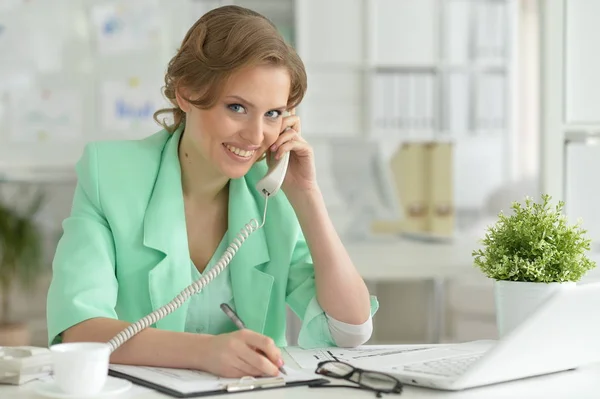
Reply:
x=516 y=300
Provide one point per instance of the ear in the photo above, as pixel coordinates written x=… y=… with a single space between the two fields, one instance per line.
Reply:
x=183 y=104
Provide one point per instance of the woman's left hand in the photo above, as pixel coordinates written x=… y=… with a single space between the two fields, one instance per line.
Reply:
x=301 y=175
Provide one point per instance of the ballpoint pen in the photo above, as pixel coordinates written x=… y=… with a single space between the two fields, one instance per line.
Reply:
x=240 y=324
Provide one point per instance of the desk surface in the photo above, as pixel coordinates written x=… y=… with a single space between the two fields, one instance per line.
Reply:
x=390 y=258
x=581 y=383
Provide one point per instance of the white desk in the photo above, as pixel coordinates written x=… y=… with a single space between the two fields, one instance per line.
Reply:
x=580 y=384
x=388 y=259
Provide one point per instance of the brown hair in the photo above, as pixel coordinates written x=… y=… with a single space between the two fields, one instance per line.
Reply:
x=221 y=42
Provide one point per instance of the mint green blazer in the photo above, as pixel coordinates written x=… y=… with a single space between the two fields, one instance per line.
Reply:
x=124 y=249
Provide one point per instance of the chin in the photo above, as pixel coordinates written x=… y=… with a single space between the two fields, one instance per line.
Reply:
x=235 y=173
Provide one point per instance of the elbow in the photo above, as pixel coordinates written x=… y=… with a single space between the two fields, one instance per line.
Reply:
x=351 y=341
x=350 y=335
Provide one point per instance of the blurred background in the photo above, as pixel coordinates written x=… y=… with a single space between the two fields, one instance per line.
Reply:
x=427 y=117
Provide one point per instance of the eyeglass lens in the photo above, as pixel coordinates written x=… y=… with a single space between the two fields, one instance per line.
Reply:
x=377 y=381
x=369 y=379
x=337 y=369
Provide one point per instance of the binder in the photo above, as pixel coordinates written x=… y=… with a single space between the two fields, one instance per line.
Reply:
x=228 y=386
x=423 y=176
x=440 y=195
x=409 y=167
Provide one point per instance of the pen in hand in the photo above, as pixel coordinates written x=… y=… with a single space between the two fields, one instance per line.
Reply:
x=240 y=324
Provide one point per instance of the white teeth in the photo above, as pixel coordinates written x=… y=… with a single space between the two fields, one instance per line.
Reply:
x=239 y=151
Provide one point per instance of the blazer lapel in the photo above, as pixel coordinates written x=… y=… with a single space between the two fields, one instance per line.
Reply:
x=165 y=231
x=251 y=286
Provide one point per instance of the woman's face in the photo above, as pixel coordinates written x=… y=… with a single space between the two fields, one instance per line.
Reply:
x=245 y=121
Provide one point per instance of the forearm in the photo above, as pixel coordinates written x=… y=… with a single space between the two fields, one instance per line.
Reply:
x=150 y=347
x=341 y=290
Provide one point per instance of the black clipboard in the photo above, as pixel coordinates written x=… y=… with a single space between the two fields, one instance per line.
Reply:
x=246 y=384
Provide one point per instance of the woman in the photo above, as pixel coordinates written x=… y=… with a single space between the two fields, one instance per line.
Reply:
x=151 y=216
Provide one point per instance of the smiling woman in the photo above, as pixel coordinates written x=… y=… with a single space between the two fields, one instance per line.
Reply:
x=151 y=216
x=246 y=118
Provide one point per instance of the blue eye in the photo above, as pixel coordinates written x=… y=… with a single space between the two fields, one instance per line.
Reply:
x=274 y=114
x=236 y=108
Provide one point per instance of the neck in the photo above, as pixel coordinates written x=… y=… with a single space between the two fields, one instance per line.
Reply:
x=201 y=182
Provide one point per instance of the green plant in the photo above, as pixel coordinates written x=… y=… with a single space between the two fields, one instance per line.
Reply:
x=534 y=244
x=21 y=250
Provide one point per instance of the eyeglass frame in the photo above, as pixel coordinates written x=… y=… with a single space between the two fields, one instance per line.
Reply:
x=398 y=388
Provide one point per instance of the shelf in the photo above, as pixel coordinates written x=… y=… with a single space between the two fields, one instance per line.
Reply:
x=336 y=66
x=475 y=68
x=404 y=68
x=587 y=135
x=37 y=175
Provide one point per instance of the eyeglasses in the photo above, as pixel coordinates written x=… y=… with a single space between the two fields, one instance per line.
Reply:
x=370 y=380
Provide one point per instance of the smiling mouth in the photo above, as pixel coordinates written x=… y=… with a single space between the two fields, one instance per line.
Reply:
x=239 y=152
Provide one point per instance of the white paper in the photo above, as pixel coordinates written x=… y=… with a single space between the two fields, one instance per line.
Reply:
x=120 y=27
x=375 y=356
x=187 y=381
x=46 y=115
x=130 y=107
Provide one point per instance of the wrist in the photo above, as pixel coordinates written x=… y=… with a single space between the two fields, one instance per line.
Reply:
x=304 y=197
x=309 y=206
x=196 y=350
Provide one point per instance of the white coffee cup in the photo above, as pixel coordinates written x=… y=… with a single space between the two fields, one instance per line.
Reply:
x=80 y=368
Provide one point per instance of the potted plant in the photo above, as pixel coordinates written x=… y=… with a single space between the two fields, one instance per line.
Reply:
x=531 y=254
x=21 y=261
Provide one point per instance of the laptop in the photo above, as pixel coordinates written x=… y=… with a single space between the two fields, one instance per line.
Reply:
x=562 y=334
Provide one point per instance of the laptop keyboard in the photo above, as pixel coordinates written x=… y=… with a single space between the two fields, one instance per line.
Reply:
x=448 y=367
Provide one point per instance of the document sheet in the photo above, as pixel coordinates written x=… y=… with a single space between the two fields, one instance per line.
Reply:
x=367 y=356
x=189 y=381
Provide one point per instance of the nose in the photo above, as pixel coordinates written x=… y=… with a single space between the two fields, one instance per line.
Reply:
x=253 y=131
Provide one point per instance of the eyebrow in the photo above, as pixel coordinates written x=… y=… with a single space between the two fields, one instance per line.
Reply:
x=243 y=100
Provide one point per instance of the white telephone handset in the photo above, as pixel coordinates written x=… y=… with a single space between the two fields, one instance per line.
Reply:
x=268 y=186
x=271 y=183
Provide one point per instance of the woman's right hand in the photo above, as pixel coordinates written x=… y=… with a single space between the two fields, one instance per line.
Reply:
x=241 y=353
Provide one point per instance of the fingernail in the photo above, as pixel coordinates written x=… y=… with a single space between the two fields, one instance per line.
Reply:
x=280 y=362
x=273 y=147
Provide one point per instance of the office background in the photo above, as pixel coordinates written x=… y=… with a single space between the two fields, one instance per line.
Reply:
x=428 y=118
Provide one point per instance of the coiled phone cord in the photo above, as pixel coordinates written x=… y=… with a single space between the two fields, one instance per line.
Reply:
x=193 y=288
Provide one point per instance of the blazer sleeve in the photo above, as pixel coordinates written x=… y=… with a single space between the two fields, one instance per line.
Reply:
x=83 y=284
x=302 y=299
